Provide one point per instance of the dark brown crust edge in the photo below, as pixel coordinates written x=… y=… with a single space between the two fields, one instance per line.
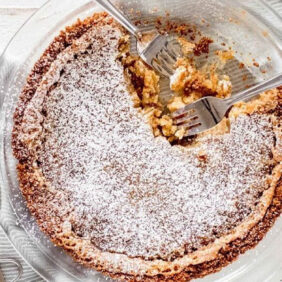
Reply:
x=225 y=256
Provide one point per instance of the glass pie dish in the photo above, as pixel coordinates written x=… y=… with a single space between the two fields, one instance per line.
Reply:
x=241 y=23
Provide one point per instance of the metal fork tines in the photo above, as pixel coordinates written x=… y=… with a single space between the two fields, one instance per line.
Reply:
x=209 y=111
x=160 y=51
x=201 y=115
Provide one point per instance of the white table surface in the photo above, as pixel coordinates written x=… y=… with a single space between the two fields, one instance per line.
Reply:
x=13 y=13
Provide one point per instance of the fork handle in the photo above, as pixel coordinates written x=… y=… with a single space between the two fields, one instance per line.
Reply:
x=121 y=18
x=255 y=90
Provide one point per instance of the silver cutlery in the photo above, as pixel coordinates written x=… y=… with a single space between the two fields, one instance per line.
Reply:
x=160 y=51
x=207 y=112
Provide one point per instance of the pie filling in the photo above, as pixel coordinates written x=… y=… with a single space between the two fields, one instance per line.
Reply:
x=105 y=183
x=188 y=82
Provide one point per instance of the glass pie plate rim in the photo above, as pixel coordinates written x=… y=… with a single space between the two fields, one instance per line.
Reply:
x=264 y=258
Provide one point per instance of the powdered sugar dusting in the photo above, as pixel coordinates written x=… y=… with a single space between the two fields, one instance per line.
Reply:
x=130 y=192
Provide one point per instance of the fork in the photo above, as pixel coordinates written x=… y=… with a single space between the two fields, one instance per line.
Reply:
x=161 y=52
x=209 y=111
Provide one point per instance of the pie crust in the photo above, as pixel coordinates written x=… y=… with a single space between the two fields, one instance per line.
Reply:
x=53 y=169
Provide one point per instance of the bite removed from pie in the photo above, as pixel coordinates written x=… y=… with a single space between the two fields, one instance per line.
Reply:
x=106 y=183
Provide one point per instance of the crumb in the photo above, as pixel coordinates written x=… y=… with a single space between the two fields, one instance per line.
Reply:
x=175 y=104
x=224 y=55
x=223 y=44
x=268 y=58
x=177 y=80
x=265 y=33
x=202 y=46
x=159 y=21
x=138 y=22
x=192 y=37
x=175 y=27
x=168 y=129
x=202 y=157
x=180 y=133
x=263 y=71
x=241 y=65
x=147 y=37
x=186 y=46
x=244 y=77
x=256 y=64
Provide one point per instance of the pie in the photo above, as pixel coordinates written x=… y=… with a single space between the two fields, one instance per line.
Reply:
x=122 y=200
